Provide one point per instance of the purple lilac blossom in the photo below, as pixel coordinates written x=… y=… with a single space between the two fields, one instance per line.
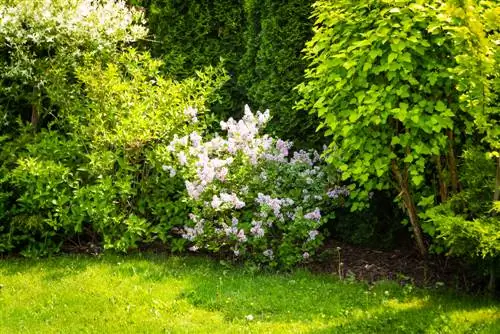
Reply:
x=257 y=229
x=313 y=215
x=337 y=192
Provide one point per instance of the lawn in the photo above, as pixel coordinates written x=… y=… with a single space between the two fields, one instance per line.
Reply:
x=159 y=293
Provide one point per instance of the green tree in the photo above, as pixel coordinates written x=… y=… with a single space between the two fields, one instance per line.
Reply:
x=383 y=78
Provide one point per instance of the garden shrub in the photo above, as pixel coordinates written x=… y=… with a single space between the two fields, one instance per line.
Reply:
x=79 y=167
x=250 y=197
x=44 y=41
x=388 y=81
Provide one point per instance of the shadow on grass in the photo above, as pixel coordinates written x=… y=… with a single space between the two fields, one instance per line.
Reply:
x=298 y=298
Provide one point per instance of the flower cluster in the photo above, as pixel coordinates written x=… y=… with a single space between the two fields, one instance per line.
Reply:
x=248 y=192
x=338 y=191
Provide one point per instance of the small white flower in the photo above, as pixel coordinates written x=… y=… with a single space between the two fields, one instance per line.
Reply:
x=249 y=317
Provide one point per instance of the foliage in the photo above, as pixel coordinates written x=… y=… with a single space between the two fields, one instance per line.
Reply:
x=466 y=224
x=44 y=41
x=272 y=66
x=249 y=198
x=260 y=44
x=385 y=79
x=189 y=35
x=85 y=173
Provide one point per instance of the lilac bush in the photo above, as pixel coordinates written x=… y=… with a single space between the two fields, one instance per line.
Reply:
x=252 y=198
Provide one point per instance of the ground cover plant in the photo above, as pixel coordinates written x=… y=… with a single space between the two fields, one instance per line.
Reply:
x=157 y=293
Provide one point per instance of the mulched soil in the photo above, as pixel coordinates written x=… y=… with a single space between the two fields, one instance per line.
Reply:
x=404 y=266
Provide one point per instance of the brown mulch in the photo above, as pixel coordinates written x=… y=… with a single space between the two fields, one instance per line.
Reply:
x=403 y=266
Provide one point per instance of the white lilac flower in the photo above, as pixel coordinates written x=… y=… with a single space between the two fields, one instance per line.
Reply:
x=229 y=230
x=192 y=113
x=306 y=255
x=257 y=229
x=195 y=139
x=169 y=169
x=182 y=158
x=222 y=173
x=263 y=117
x=194 y=190
x=241 y=236
x=283 y=147
x=216 y=202
x=313 y=215
x=313 y=234
x=191 y=233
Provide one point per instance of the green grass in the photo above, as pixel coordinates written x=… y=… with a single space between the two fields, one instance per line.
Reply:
x=159 y=293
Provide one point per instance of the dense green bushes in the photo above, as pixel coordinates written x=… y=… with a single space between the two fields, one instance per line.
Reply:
x=405 y=89
x=260 y=43
x=91 y=159
x=104 y=144
x=83 y=164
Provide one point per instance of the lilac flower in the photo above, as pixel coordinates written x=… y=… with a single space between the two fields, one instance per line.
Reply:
x=182 y=158
x=216 y=202
x=301 y=157
x=313 y=215
x=191 y=113
x=337 y=192
x=283 y=147
x=195 y=139
x=263 y=117
x=229 y=230
x=312 y=235
x=241 y=236
x=191 y=233
x=257 y=229
x=169 y=169
x=306 y=255
x=194 y=190
x=222 y=173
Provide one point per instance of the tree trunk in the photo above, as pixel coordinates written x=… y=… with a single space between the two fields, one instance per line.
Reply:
x=35 y=116
x=443 y=187
x=404 y=187
x=496 y=197
x=455 y=186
